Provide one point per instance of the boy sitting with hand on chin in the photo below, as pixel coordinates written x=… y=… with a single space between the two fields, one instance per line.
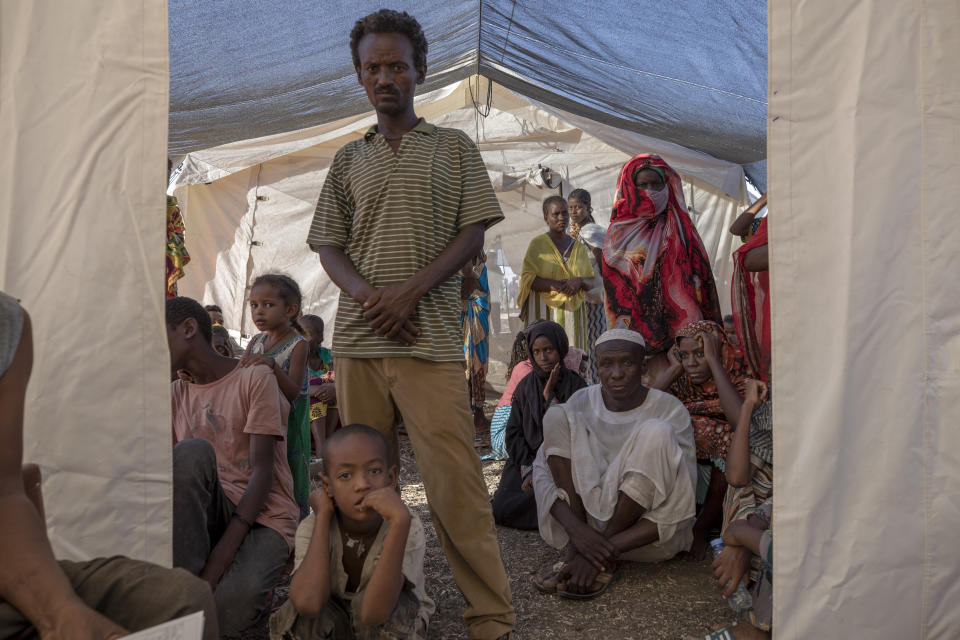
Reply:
x=359 y=554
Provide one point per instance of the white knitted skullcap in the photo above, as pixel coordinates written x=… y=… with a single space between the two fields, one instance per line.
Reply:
x=620 y=334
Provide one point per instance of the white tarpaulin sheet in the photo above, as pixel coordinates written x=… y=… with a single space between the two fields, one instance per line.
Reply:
x=83 y=120
x=864 y=173
x=248 y=205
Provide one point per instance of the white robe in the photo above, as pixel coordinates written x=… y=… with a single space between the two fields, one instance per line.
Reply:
x=648 y=453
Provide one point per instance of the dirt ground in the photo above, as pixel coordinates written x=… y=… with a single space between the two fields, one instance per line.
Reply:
x=668 y=600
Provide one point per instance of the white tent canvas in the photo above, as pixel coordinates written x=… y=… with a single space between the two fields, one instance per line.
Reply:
x=863 y=131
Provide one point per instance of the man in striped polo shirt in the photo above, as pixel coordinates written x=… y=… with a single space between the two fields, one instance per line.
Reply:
x=401 y=211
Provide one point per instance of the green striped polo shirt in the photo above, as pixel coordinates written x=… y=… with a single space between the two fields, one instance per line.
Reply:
x=392 y=214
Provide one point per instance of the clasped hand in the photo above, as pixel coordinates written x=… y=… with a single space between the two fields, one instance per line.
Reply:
x=594 y=548
x=389 y=309
x=730 y=567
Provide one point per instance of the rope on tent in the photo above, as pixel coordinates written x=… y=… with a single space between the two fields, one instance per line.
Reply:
x=480 y=112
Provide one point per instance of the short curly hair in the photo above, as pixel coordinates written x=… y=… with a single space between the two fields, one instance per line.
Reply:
x=389 y=21
x=180 y=308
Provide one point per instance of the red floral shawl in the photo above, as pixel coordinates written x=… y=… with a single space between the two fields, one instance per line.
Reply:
x=656 y=272
x=750 y=297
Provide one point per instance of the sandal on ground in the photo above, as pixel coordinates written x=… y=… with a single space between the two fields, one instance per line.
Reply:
x=604 y=578
x=546 y=579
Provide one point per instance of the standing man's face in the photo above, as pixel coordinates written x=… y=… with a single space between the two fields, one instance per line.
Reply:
x=387 y=72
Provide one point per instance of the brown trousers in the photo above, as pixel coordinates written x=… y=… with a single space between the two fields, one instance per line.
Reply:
x=136 y=595
x=433 y=401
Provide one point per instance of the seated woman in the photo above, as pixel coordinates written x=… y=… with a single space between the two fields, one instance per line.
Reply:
x=655 y=269
x=555 y=276
x=518 y=369
x=709 y=376
x=514 y=504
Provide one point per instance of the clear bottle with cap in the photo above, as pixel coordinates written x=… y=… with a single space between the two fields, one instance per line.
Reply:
x=741 y=600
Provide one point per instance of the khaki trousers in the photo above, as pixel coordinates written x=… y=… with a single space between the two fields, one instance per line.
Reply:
x=433 y=401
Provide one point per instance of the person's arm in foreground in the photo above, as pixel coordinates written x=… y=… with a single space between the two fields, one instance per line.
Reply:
x=739 y=468
x=741 y=540
x=261 y=479
x=31 y=579
x=387 y=580
x=310 y=584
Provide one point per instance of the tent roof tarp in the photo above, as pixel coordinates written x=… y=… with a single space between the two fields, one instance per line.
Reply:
x=687 y=72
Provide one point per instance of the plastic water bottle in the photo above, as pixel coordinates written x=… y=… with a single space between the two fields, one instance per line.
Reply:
x=741 y=600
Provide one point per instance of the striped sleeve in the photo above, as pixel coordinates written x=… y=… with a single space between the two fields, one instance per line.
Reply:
x=478 y=202
x=331 y=218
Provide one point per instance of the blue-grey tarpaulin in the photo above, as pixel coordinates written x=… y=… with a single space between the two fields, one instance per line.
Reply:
x=692 y=73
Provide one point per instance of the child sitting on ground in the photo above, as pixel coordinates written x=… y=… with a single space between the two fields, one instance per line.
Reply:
x=275 y=304
x=358 y=569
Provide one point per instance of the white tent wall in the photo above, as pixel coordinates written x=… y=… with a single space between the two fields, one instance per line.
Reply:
x=83 y=119
x=283 y=176
x=866 y=320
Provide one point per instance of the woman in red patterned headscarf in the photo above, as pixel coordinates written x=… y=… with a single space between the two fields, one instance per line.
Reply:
x=655 y=269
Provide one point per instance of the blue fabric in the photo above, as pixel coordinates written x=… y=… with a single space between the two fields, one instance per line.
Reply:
x=689 y=72
x=476 y=315
x=498 y=434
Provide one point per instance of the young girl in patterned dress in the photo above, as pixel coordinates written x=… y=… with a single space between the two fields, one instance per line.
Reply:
x=275 y=304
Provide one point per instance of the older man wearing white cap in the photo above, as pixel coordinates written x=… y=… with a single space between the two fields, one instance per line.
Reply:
x=615 y=478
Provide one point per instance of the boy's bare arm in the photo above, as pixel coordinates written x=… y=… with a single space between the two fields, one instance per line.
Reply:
x=251 y=504
x=387 y=581
x=310 y=585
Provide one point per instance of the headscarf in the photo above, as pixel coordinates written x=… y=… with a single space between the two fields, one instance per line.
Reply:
x=712 y=432
x=592 y=235
x=529 y=393
x=750 y=295
x=655 y=269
